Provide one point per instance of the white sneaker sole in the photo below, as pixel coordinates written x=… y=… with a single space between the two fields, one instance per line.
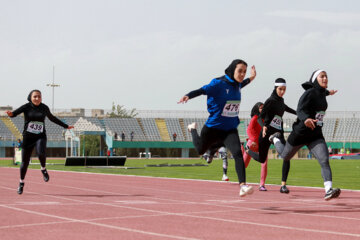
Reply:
x=192 y=126
x=248 y=192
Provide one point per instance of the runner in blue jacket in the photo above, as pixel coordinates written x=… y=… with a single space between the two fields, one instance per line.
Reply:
x=223 y=105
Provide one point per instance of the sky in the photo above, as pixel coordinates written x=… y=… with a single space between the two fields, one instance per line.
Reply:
x=147 y=54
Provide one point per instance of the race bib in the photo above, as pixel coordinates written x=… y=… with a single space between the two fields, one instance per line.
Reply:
x=231 y=109
x=320 y=117
x=35 y=127
x=276 y=122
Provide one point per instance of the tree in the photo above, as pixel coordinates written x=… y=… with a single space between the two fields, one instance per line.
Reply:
x=120 y=112
x=92 y=145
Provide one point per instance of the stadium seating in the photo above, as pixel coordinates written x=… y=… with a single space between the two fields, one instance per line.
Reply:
x=19 y=122
x=173 y=126
x=5 y=133
x=126 y=125
x=150 y=129
x=347 y=129
x=54 y=132
x=329 y=129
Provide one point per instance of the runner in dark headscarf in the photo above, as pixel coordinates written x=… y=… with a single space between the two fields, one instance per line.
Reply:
x=271 y=122
x=223 y=104
x=307 y=130
x=34 y=134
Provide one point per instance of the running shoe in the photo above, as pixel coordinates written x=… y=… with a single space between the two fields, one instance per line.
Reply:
x=20 y=188
x=225 y=178
x=208 y=158
x=332 y=193
x=275 y=135
x=192 y=126
x=284 y=189
x=45 y=175
x=246 y=190
x=262 y=188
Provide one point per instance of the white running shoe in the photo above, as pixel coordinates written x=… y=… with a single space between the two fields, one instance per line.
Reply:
x=192 y=126
x=225 y=178
x=246 y=190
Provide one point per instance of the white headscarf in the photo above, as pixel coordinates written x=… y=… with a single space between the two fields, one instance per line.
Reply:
x=316 y=74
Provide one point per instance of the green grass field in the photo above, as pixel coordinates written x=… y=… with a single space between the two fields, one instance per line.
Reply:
x=346 y=173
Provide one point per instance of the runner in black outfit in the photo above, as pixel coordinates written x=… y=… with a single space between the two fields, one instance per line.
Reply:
x=34 y=134
x=307 y=130
x=271 y=122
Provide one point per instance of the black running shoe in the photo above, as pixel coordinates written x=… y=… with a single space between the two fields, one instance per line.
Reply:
x=20 y=188
x=275 y=135
x=332 y=193
x=284 y=189
x=45 y=175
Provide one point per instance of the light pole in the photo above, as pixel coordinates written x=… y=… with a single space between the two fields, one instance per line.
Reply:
x=53 y=85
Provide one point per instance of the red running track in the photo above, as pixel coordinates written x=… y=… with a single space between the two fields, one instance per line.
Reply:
x=99 y=206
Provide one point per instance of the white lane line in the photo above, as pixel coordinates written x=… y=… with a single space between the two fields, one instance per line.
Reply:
x=213 y=218
x=179 y=179
x=37 y=203
x=222 y=206
x=277 y=210
x=317 y=200
x=136 y=202
x=98 y=224
x=188 y=179
x=320 y=202
x=325 y=204
x=183 y=215
x=280 y=226
x=226 y=201
x=112 y=218
x=90 y=220
x=234 y=207
x=212 y=205
x=33 y=224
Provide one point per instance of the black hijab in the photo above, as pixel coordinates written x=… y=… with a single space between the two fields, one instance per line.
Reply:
x=29 y=96
x=274 y=94
x=230 y=70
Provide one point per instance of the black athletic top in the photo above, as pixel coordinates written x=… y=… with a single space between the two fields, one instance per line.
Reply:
x=272 y=113
x=34 y=117
x=312 y=104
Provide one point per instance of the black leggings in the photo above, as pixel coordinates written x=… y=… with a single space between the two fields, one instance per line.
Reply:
x=264 y=146
x=40 y=145
x=230 y=139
